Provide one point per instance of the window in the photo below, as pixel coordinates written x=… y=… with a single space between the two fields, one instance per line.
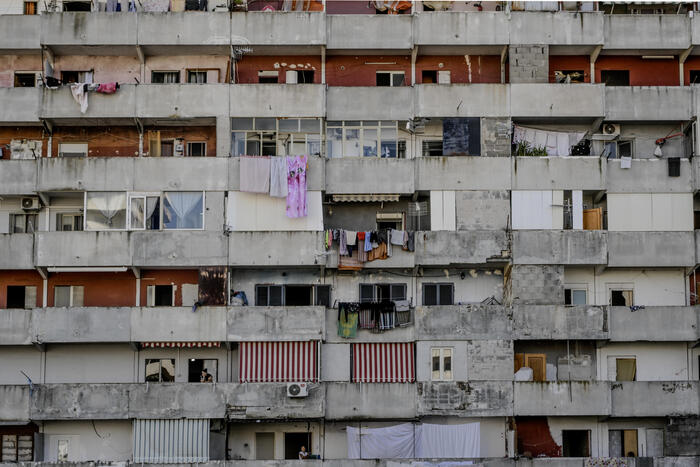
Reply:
x=438 y=294
x=160 y=370
x=197 y=76
x=364 y=139
x=271 y=137
x=322 y=295
x=575 y=296
x=68 y=295
x=69 y=77
x=293 y=443
x=72 y=150
x=441 y=363
x=432 y=148
x=622 y=368
x=77 y=5
x=69 y=222
x=615 y=77
x=390 y=220
x=160 y=295
x=203 y=370
x=23 y=223
x=293 y=295
x=167 y=148
x=21 y=296
x=183 y=210
x=624 y=148
x=268 y=77
x=196 y=149
x=62 y=450
x=537 y=362
x=380 y=292
x=621 y=297
x=694 y=76
x=576 y=443
x=30 y=8
x=165 y=77
x=305 y=76
x=623 y=443
x=429 y=76
x=269 y=295
x=390 y=78
x=105 y=210
x=25 y=80
x=16 y=447
x=144 y=212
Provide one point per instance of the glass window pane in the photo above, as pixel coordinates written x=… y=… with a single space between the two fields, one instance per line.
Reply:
x=335 y=142
x=265 y=124
x=183 y=210
x=353 y=123
x=579 y=297
x=383 y=292
x=436 y=363
x=366 y=292
x=275 y=295
x=167 y=370
x=446 y=294
x=238 y=143
x=106 y=210
x=351 y=145
x=370 y=123
x=19 y=221
x=152 y=370
x=388 y=142
x=253 y=144
x=313 y=145
x=397 y=79
x=137 y=213
x=429 y=294
x=369 y=143
x=310 y=125
x=61 y=295
x=31 y=223
x=153 y=212
x=288 y=124
x=241 y=123
x=398 y=292
x=261 y=295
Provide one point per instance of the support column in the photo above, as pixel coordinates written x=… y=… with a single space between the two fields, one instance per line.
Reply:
x=223 y=136
x=681 y=64
x=594 y=57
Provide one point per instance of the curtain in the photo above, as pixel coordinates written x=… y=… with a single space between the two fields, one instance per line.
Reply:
x=626 y=369
x=181 y=204
x=449 y=441
x=106 y=210
x=392 y=442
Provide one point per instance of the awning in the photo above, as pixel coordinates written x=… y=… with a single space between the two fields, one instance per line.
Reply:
x=188 y=345
x=365 y=198
x=383 y=363
x=278 y=362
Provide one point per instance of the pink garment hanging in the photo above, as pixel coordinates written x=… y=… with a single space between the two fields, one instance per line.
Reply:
x=296 y=186
x=107 y=88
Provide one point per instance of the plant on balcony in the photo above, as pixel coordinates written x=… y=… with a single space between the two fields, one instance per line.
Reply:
x=525 y=149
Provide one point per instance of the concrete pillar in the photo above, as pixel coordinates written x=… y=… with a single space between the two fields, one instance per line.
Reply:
x=223 y=136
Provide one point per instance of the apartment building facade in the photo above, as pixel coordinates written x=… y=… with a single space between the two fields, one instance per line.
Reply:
x=535 y=158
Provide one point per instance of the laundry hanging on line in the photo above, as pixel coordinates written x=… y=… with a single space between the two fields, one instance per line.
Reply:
x=557 y=143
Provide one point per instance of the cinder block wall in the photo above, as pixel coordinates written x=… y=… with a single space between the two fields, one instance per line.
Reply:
x=529 y=63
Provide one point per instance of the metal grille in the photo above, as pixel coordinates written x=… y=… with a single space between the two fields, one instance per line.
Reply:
x=171 y=441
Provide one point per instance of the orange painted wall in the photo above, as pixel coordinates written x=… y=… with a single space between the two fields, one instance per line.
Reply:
x=352 y=70
x=101 y=288
x=247 y=68
x=168 y=277
x=692 y=63
x=570 y=62
x=642 y=72
x=29 y=278
x=477 y=69
x=7 y=134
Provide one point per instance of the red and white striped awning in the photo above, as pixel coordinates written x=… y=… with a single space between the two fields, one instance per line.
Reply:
x=383 y=363
x=278 y=362
x=187 y=345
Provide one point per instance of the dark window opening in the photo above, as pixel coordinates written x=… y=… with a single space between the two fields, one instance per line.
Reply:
x=696 y=220
x=268 y=295
x=25 y=80
x=438 y=294
x=323 y=295
x=23 y=223
x=615 y=77
x=198 y=149
x=70 y=77
x=202 y=370
x=165 y=77
x=624 y=148
x=379 y=292
x=15 y=296
x=621 y=297
x=305 y=76
x=569 y=76
x=30 y=8
x=576 y=443
x=429 y=76
x=293 y=443
x=69 y=222
x=17 y=443
x=432 y=148
x=298 y=295
x=167 y=148
x=163 y=295
x=77 y=6
x=268 y=77
x=694 y=76
x=388 y=224
x=196 y=76
x=383 y=79
x=293 y=295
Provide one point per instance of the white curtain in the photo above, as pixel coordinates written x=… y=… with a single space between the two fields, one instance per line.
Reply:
x=182 y=203
x=449 y=441
x=392 y=442
x=103 y=208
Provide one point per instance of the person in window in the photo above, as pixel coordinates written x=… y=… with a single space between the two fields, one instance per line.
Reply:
x=303 y=454
x=205 y=377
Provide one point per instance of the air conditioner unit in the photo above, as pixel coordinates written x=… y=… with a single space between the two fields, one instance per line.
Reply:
x=31 y=203
x=611 y=129
x=297 y=390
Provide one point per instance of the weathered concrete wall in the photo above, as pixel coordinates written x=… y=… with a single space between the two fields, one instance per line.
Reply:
x=261 y=249
x=651 y=249
x=465 y=247
x=652 y=323
x=277 y=100
x=532 y=99
x=276 y=323
x=460 y=28
x=462 y=100
x=72 y=28
x=482 y=210
x=653 y=103
x=570 y=173
x=167 y=324
x=464 y=322
x=561 y=398
x=537 y=284
x=81 y=324
x=462 y=173
x=20 y=32
x=556 y=28
x=15 y=251
x=18 y=177
x=490 y=360
x=369 y=32
x=377 y=400
x=369 y=103
x=20 y=105
x=356 y=175
x=58 y=104
x=14 y=403
x=465 y=399
x=682 y=436
x=567 y=247
x=660 y=32
x=183 y=248
x=15 y=327
x=81 y=249
x=559 y=322
x=529 y=63
x=652 y=174
x=187 y=28
x=294 y=28
x=495 y=137
x=654 y=398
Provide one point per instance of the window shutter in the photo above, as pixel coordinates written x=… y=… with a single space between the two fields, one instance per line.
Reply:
x=429 y=294
x=77 y=292
x=189 y=294
x=151 y=295
x=30 y=296
x=276 y=298
x=261 y=295
x=446 y=294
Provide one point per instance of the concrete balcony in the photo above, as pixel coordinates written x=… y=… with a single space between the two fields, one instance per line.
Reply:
x=59 y=104
x=648 y=176
x=263 y=249
x=20 y=34
x=462 y=173
x=187 y=248
x=567 y=247
x=561 y=398
x=91 y=174
x=557 y=173
x=654 y=398
x=654 y=323
x=262 y=323
x=205 y=32
x=462 y=100
x=167 y=324
x=17 y=177
x=405 y=333
x=465 y=399
x=650 y=103
x=80 y=249
x=15 y=327
x=173 y=101
x=165 y=401
x=369 y=102
x=369 y=175
x=83 y=325
x=462 y=247
x=556 y=28
x=315 y=175
x=651 y=249
x=659 y=32
x=557 y=100
x=19 y=105
x=176 y=173
x=370 y=400
x=463 y=322
x=14 y=403
x=536 y=322
x=277 y=100
x=15 y=251
x=84 y=33
x=441 y=28
x=381 y=32
x=259 y=28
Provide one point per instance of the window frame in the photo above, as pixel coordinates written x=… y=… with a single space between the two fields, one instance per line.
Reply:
x=442 y=351
x=164 y=72
x=77 y=223
x=391 y=74
x=361 y=126
x=438 y=286
x=575 y=288
x=71 y=295
x=377 y=287
x=17 y=435
x=188 y=150
x=27 y=216
x=160 y=369
x=84 y=145
x=261 y=137
x=283 y=293
x=34 y=10
x=35 y=79
x=620 y=287
x=398 y=217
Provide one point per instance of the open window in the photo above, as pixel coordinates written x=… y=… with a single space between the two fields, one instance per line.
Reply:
x=202 y=370
x=144 y=211
x=70 y=77
x=165 y=77
x=68 y=295
x=619 y=296
x=622 y=368
x=431 y=148
x=390 y=220
x=429 y=76
x=576 y=443
x=694 y=76
x=160 y=370
x=160 y=295
x=77 y=5
x=69 y=222
x=615 y=77
x=25 y=79
x=196 y=149
x=30 y=8
x=438 y=294
x=391 y=78
x=381 y=292
x=23 y=223
x=21 y=296
x=293 y=295
x=441 y=363
x=17 y=443
x=293 y=443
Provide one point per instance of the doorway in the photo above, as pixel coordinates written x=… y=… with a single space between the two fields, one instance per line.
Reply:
x=576 y=443
x=264 y=446
x=293 y=443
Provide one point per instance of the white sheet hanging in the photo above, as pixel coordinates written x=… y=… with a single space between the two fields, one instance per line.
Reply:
x=449 y=441
x=392 y=442
x=557 y=143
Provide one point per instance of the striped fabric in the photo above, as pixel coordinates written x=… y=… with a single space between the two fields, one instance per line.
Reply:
x=171 y=441
x=188 y=345
x=383 y=363
x=278 y=362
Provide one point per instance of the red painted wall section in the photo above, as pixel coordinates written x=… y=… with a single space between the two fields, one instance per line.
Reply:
x=691 y=63
x=168 y=277
x=101 y=288
x=570 y=62
x=463 y=69
x=7 y=134
x=643 y=72
x=247 y=68
x=360 y=70
x=27 y=278
x=345 y=7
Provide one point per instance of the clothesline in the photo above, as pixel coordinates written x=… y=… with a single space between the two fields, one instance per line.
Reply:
x=378 y=316
x=557 y=143
x=279 y=177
